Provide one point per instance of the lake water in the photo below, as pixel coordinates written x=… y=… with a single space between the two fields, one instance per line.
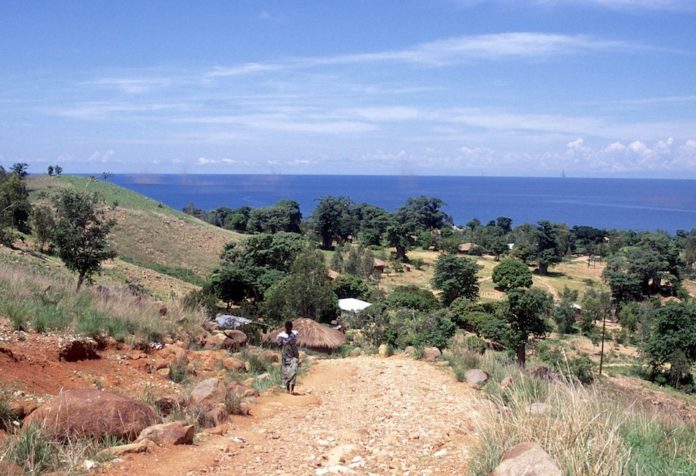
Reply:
x=605 y=203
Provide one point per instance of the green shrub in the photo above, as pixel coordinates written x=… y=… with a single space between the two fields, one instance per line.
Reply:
x=177 y=372
x=475 y=344
x=581 y=368
x=32 y=451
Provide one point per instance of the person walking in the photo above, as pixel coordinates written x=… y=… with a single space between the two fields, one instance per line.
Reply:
x=290 y=357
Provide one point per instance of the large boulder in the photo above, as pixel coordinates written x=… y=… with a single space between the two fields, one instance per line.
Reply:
x=208 y=393
x=476 y=376
x=527 y=459
x=79 y=349
x=431 y=354
x=93 y=413
x=238 y=338
x=175 y=433
x=384 y=350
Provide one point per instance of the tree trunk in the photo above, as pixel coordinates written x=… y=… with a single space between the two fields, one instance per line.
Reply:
x=401 y=253
x=521 y=354
x=543 y=269
x=80 y=280
x=326 y=242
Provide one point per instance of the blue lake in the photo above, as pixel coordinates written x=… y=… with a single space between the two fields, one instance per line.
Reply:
x=606 y=203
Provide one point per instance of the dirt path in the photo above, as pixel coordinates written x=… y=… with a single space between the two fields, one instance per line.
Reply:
x=362 y=415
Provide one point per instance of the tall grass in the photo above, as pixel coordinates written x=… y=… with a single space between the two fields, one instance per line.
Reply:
x=587 y=431
x=34 y=301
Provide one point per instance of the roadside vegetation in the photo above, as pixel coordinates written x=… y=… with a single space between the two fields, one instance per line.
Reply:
x=582 y=303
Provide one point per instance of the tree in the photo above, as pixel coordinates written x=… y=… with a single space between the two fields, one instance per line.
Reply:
x=672 y=339
x=42 y=225
x=373 y=223
x=305 y=292
x=50 y=171
x=564 y=312
x=333 y=220
x=425 y=213
x=526 y=311
x=505 y=224
x=58 y=169
x=400 y=235
x=14 y=206
x=20 y=169
x=546 y=251
x=511 y=273
x=456 y=277
x=412 y=297
x=81 y=234
x=349 y=286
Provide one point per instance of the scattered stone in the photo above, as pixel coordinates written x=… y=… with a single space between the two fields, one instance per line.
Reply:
x=79 y=349
x=208 y=393
x=384 y=350
x=166 y=405
x=441 y=453
x=164 y=372
x=238 y=339
x=95 y=413
x=539 y=408
x=89 y=464
x=231 y=364
x=115 y=451
x=264 y=377
x=242 y=391
x=215 y=416
x=527 y=459
x=506 y=383
x=410 y=351
x=335 y=469
x=175 y=433
x=476 y=376
x=357 y=352
x=431 y=354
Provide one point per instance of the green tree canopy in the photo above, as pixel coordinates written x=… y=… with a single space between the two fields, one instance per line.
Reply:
x=672 y=338
x=305 y=292
x=526 y=311
x=412 y=297
x=456 y=277
x=81 y=233
x=511 y=273
x=333 y=219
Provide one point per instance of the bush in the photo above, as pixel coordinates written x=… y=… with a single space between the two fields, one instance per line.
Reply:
x=412 y=297
x=581 y=368
x=475 y=344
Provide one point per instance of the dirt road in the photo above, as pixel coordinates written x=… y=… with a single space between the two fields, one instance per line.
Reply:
x=364 y=415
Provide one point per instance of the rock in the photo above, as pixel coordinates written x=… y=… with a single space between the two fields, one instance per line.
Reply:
x=79 y=349
x=210 y=326
x=115 y=451
x=527 y=459
x=506 y=383
x=164 y=372
x=271 y=356
x=440 y=453
x=10 y=469
x=166 y=405
x=231 y=364
x=384 y=350
x=264 y=377
x=219 y=341
x=242 y=391
x=476 y=376
x=410 y=351
x=208 y=393
x=215 y=416
x=79 y=413
x=175 y=433
x=357 y=352
x=431 y=354
x=539 y=408
x=238 y=339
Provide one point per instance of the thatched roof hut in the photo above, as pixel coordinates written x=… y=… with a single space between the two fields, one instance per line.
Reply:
x=313 y=335
x=379 y=265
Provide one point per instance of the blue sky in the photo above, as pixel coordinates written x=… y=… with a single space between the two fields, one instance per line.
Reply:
x=595 y=88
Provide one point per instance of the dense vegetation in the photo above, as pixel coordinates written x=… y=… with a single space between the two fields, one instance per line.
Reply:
x=280 y=271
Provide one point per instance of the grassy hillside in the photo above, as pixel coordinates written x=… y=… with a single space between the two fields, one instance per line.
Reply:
x=148 y=234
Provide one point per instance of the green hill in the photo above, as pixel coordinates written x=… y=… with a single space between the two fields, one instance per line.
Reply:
x=148 y=234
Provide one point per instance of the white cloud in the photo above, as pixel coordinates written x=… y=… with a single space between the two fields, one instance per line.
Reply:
x=207 y=161
x=131 y=85
x=101 y=157
x=525 y=45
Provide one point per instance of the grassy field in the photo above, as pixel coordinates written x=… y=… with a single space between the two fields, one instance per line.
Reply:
x=149 y=233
